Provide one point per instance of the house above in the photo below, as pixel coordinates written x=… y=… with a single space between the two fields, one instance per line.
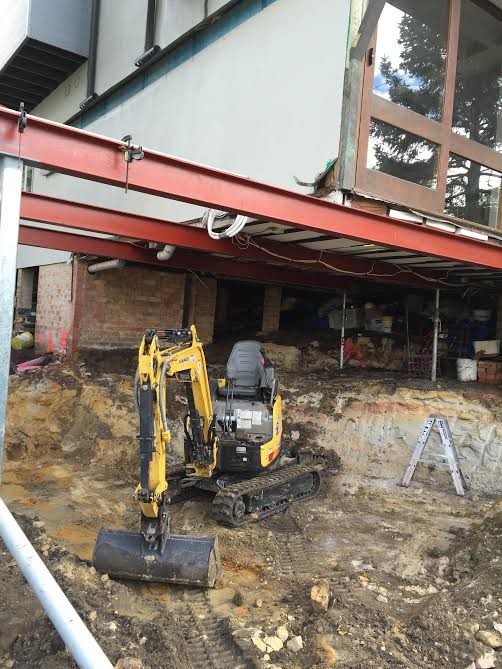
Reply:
x=42 y=42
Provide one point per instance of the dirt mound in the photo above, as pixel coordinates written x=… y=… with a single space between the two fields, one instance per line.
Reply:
x=28 y=639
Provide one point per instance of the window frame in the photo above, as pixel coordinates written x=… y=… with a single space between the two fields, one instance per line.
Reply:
x=373 y=106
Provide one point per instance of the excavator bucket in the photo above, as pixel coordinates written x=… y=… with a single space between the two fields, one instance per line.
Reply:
x=185 y=560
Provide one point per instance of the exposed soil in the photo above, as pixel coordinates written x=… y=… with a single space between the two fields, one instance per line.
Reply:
x=412 y=572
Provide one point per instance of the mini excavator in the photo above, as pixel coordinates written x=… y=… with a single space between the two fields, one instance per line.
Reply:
x=232 y=449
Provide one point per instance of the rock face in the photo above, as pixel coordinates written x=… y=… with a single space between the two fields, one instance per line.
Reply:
x=372 y=425
x=374 y=429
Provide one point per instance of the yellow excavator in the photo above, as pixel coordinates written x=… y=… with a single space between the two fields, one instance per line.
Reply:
x=232 y=449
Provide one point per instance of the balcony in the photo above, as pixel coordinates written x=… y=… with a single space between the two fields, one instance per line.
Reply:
x=42 y=42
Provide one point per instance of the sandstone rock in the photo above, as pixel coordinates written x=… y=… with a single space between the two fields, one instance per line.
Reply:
x=319 y=596
x=295 y=644
x=282 y=632
x=490 y=639
x=486 y=661
x=443 y=563
x=258 y=603
x=38 y=524
x=273 y=643
x=129 y=663
x=287 y=357
x=259 y=642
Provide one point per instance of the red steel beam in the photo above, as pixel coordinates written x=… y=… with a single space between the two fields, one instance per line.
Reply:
x=82 y=154
x=44 y=209
x=182 y=260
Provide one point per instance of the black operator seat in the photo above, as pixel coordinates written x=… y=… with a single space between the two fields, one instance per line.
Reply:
x=249 y=370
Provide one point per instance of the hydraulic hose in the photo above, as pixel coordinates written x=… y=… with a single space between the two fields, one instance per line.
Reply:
x=162 y=398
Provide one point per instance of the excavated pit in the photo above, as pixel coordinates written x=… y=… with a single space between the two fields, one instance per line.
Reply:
x=409 y=571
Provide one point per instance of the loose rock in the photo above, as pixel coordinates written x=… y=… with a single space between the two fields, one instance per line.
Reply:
x=273 y=643
x=282 y=633
x=259 y=642
x=238 y=598
x=129 y=663
x=295 y=644
x=490 y=639
x=319 y=596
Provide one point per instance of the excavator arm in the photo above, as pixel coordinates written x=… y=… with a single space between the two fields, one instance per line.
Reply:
x=154 y=554
x=163 y=355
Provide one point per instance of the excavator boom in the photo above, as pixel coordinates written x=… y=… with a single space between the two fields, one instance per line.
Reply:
x=154 y=553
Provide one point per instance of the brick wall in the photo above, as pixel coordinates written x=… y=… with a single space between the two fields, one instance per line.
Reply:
x=117 y=306
x=54 y=307
x=202 y=308
x=271 y=309
x=112 y=309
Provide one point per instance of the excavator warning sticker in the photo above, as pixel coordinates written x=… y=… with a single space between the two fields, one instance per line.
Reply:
x=190 y=358
x=257 y=417
x=244 y=419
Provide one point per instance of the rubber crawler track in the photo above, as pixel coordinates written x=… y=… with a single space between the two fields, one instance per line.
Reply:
x=224 y=502
x=209 y=643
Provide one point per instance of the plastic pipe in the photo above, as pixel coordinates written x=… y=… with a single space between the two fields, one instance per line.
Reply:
x=106 y=265
x=166 y=253
x=77 y=638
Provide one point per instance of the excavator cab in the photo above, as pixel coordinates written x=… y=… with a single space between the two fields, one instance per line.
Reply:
x=248 y=412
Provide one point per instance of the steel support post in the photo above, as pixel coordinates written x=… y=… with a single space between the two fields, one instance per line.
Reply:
x=11 y=172
x=435 y=338
x=342 y=330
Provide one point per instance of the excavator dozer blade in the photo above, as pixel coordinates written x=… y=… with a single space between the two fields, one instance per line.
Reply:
x=185 y=560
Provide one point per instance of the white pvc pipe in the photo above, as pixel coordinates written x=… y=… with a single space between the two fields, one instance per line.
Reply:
x=106 y=265
x=77 y=638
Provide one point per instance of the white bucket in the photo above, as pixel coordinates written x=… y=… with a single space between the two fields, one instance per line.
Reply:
x=467 y=369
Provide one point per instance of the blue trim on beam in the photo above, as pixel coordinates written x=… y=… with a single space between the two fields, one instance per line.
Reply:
x=194 y=44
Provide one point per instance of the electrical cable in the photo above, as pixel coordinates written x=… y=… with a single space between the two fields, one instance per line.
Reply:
x=400 y=269
x=233 y=229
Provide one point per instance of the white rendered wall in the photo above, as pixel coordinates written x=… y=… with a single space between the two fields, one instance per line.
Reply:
x=264 y=100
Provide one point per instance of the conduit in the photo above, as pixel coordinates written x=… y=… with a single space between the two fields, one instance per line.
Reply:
x=233 y=229
x=106 y=265
x=85 y=650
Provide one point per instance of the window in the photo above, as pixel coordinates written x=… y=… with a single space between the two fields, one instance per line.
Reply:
x=430 y=131
x=478 y=85
x=410 y=55
x=472 y=191
x=402 y=154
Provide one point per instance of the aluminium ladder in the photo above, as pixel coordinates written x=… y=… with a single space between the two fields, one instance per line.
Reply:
x=450 y=452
